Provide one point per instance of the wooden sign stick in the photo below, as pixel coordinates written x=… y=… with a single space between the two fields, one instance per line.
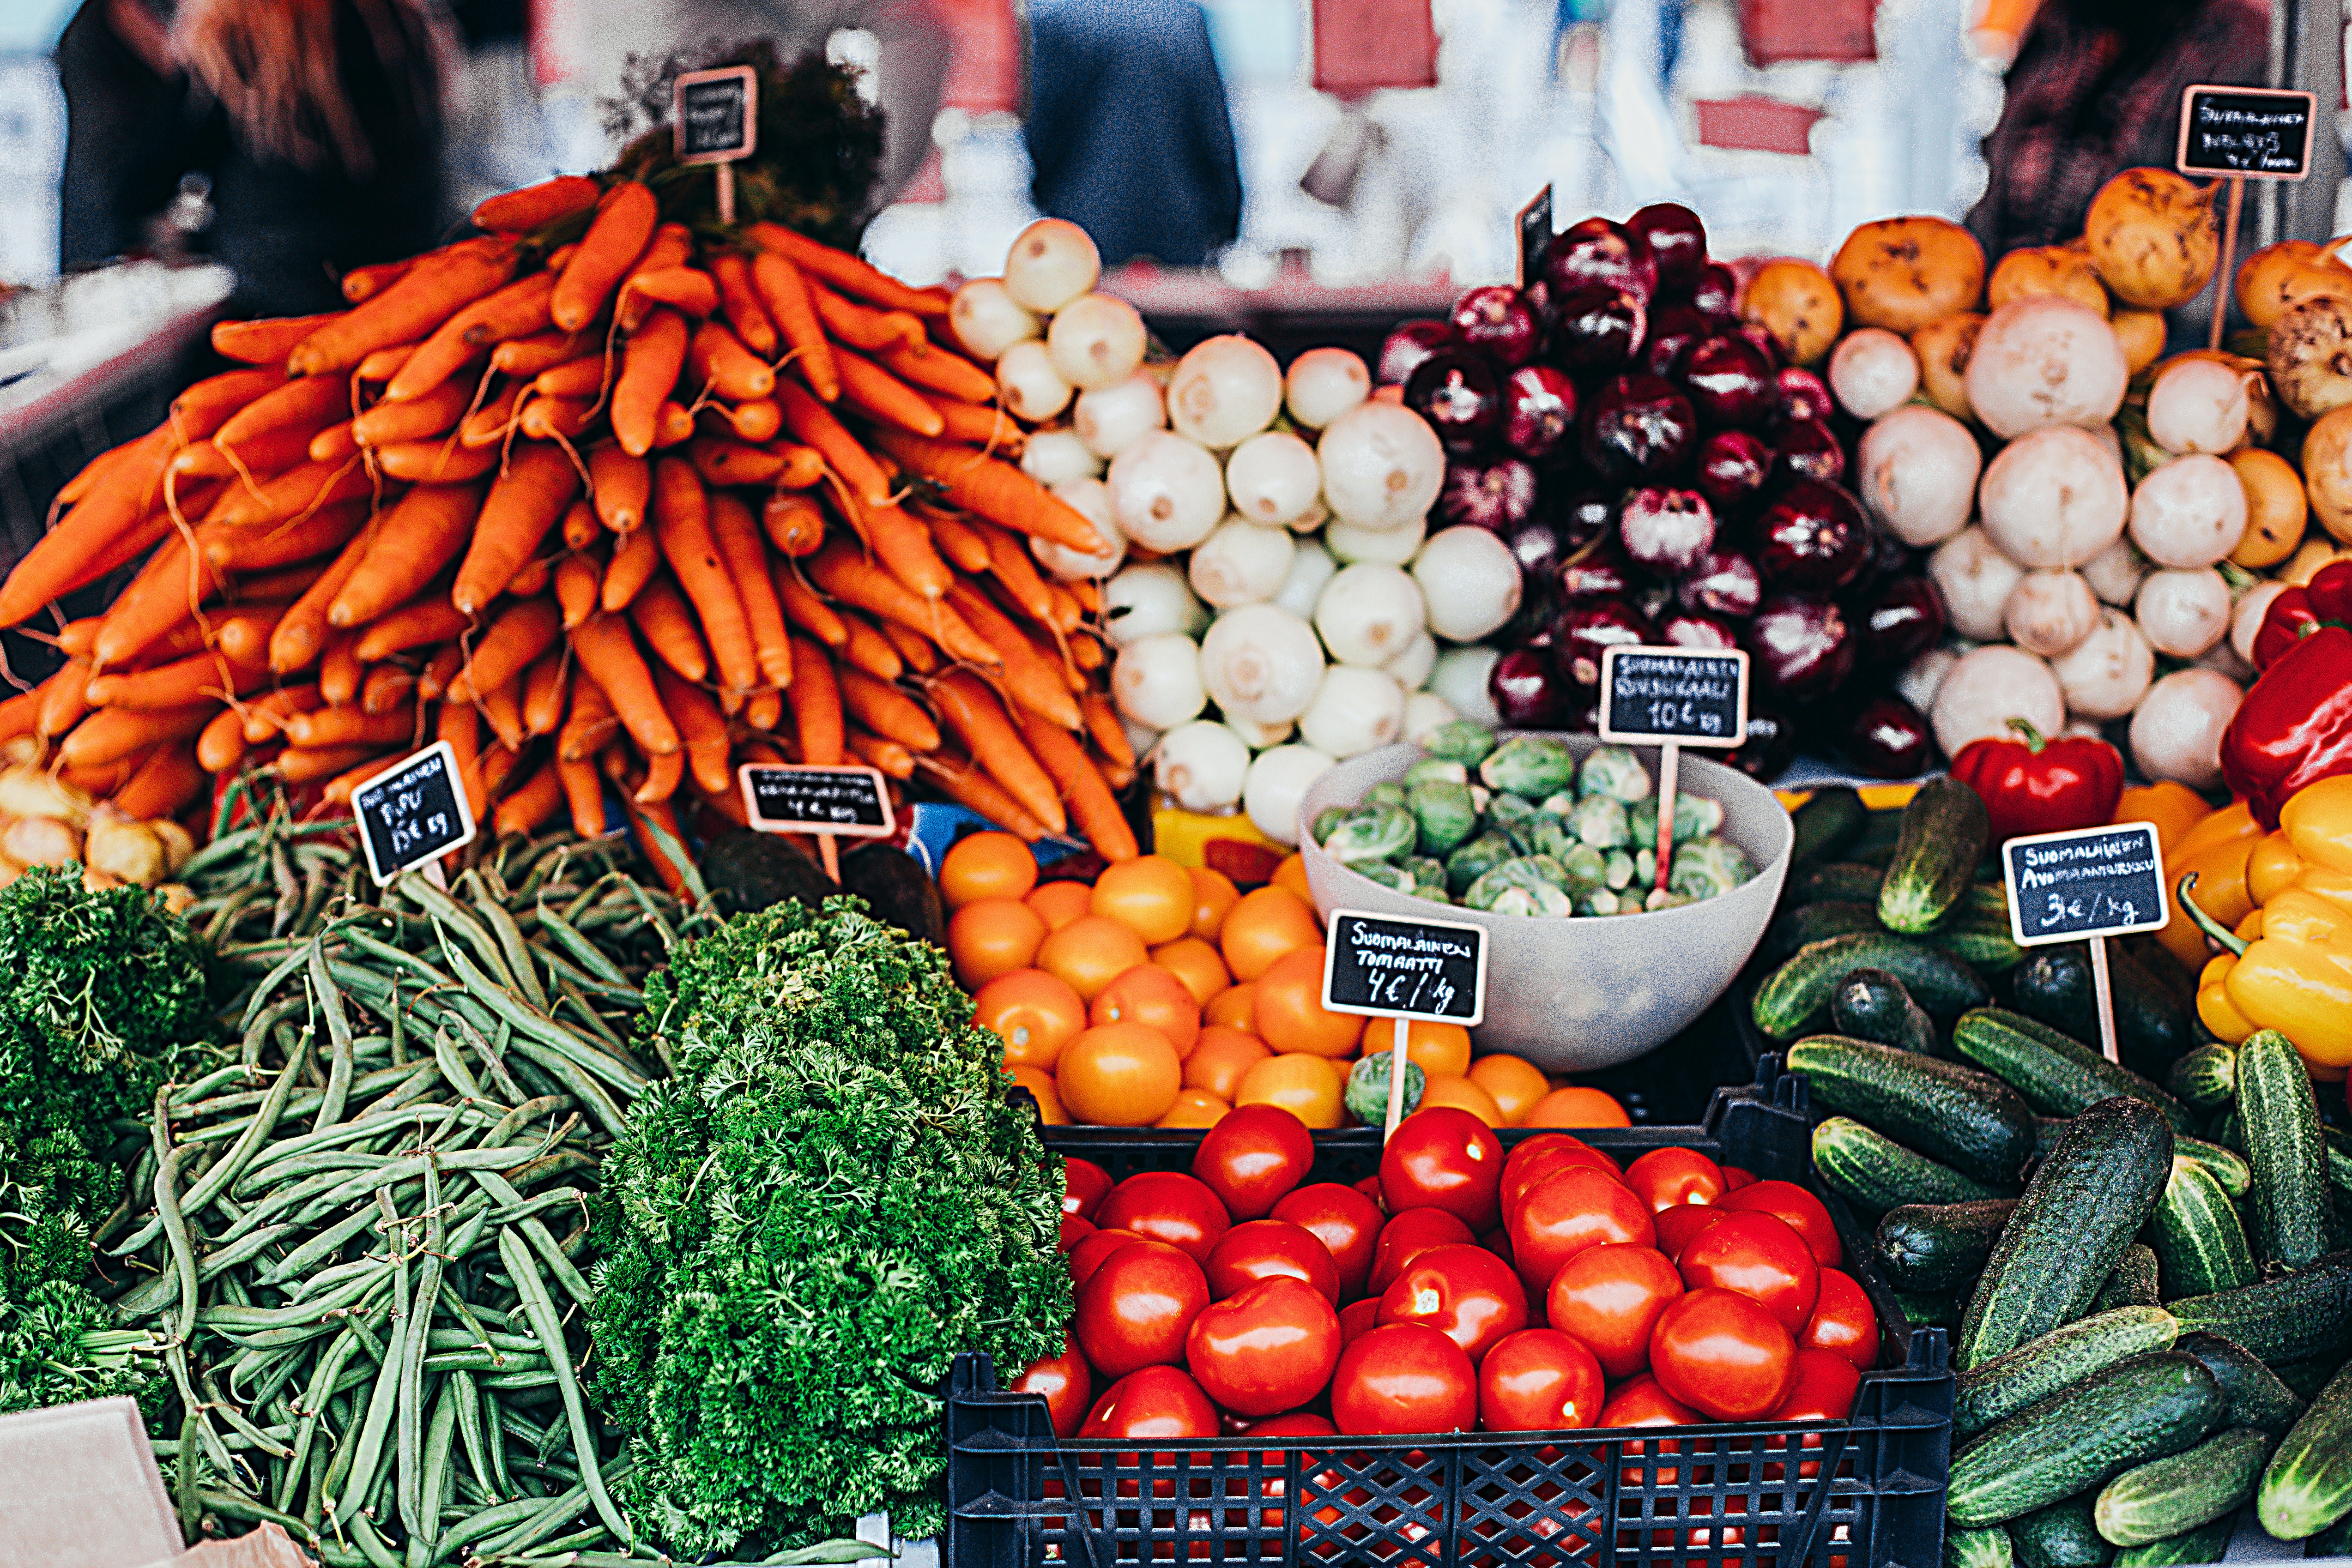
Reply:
x=2224 y=273
x=1670 y=761
x=1396 y=1077
x=2103 y=989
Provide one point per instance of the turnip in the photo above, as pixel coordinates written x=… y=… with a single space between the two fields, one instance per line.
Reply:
x=2115 y=572
x=2327 y=470
x=1056 y=456
x=1051 y=262
x=2197 y=405
x=1149 y=599
x=1424 y=712
x=1274 y=478
x=2151 y=235
x=1354 y=711
x=2045 y=360
x=2175 y=732
x=1324 y=383
x=1367 y=612
x=1261 y=663
x=1989 y=686
x=1258 y=737
x=2246 y=619
x=1095 y=340
x=987 y=319
x=1471 y=580
x=1411 y=665
x=2222 y=660
x=2103 y=676
x=1460 y=676
x=1382 y=465
x=2054 y=497
x=1202 y=765
x=1384 y=547
x=2183 y=611
x=1311 y=566
x=1224 y=391
x=2049 y=612
x=1027 y=384
x=1278 y=780
x=1975 y=580
x=1107 y=418
x=1156 y=680
x=1923 y=677
x=1167 y=492
x=1091 y=497
x=1918 y=473
x=2311 y=354
x=1240 y=563
x=2191 y=512
x=1872 y=373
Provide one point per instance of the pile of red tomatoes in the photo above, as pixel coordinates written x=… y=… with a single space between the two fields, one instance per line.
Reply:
x=1455 y=1291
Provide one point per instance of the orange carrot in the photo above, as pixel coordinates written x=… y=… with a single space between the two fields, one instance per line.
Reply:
x=765 y=709
x=871 y=650
x=846 y=272
x=18 y=714
x=815 y=699
x=265 y=719
x=556 y=419
x=165 y=592
x=701 y=726
x=517 y=311
x=840 y=571
x=584 y=793
x=203 y=408
x=682 y=525
x=301 y=489
x=524 y=809
x=439 y=672
x=888 y=711
x=609 y=653
x=871 y=390
x=494 y=768
x=281 y=544
x=545 y=687
x=804 y=610
x=667 y=870
x=957 y=777
x=649 y=369
x=745 y=554
x=1092 y=805
x=387 y=686
x=671 y=245
x=582 y=377
x=674 y=426
x=919 y=653
x=222 y=746
x=988 y=428
x=669 y=630
x=785 y=292
x=519 y=212
x=109 y=735
x=107 y=516
x=461 y=727
x=616 y=238
x=891 y=756
x=794 y=524
x=262 y=458
x=812 y=424
x=589 y=724
x=861 y=326
x=325 y=726
x=720 y=361
x=541 y=352
x=687 y=288
x=940 y=370
x=428 y=294
x=1009 y=561
x=980 y=722
x=422 y=533
x=720 y=461
x=515 y=639
x=65 y=700
x=530 y=577
x=269 y=341
x=902 y=545
x=438 y=462
x=522 y=505
x=340 y=670
x=337 y=791
x=740 y=302
x=636 y=558
x=995 y=490
x=333 y=444
x=620 y=484
x=304 y=764
x=756 y=421
x=367 y=282
x=501 y=709
x=177 y=683
x=577 y=583
x=164 y=783
x=383 y=364
x=1030 y=679
x=1106 y=730
x=424 y=620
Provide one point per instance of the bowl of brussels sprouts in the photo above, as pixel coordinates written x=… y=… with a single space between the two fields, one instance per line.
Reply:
x=1549 y=841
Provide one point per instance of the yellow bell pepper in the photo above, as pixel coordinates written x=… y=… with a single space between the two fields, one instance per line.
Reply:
x=2295 y=976
x=2173 y=808
x=2216 y=850
x=2215 y=1009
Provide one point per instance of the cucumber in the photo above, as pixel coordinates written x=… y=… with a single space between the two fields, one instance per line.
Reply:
x=2206 y=1544
x=2056 y=986
x=2132 y=1282
x=2305 y=1378
x=1928 y=1309
x=2200 y=1247
x=2085 y=1203
x=1987 y=1548
x=2228 y=1129
x=1944 y=831
x=2285 y=1151
x=2224 y=1166
x=2062 y=1535
x=2047 y=1131
x=2256 y=1396
x=1874 y=1172
x=2163 y=1498
x=2058 y=1075
x=1980 y=943
x=2336 y=1541
x=1871 y=1004
x=2136 y=1411
x=1928 y=1247
x=1986 y=902
x=2207 y=1078
x=1825 y=825
x=1791 y=995
x=1986 y=1396
x=1969 y=1120
x=1838 y=882
x=2308 y=1485
x=2339 y=1153
x=2292 y=1318
x=1809 y=923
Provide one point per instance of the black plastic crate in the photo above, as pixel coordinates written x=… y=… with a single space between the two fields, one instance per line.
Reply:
x=1747 y=1494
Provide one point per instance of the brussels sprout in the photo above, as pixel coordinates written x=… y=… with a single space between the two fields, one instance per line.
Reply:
x=1474 y=859
x=1524 y=876
x=1645 y=865
x=1462 y=741
x=1601 y=901
x=1503 y=808
x=1367 y=1094
x=1616 y=772
x=1619 y=873
x=1377 y=834
x=1429 y=768
x=1442 y=809
x=1480 y=796
x=1546 y=834
x=1531 y=904
x=1428 y=873
x=1695 y=816
x=1529 y=766
x=1547 y=868
x=1585 y=867
x=1664 y=898
x=1326 y=821
x=1600 y=820
x=1706 y=867
x=1390 y=794
x=1388 y=873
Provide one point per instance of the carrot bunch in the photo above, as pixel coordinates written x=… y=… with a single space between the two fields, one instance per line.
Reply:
x=631 y=509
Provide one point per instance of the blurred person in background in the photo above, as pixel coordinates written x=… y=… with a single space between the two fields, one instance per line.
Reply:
x=1128 y=132
x=318 y=122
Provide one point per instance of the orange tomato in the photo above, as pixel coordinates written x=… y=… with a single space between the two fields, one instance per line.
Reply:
x=1196 y=963
x=1214 y=893
x=1234 y=1007
x=993 y=937
x=1220 y=1057
x=1262 y=926
x=1150 y=894
x=1576 y=1106
x=1291 y=876
x=1451 y=1089
x=1090 y=952
x=986 y=865
x=1193 y=1108
x=1118 y=1075
x=1302 y=1085
x=1512 y=1082
x=1034 y=1013
x=1040 y=1083
x=1441 y=1050
x=1151 y=995
x=1059 y=903
x=1289 y=1008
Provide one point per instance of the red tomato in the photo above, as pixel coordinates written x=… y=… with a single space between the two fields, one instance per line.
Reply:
x=1538 y=1380
x=1610 y=1297
x=1571 y=1211
x=1719 y=1352
x=1134 y=1310
x=1403 y=1377
x=1677 y=1226
x=1252 y=1156
x=1370 y=1187
x=1733 y=1178
x=1265 y=1350
x=1758 y=1256
x=1640 y=1402
x=1089 y=1254
x=1291 y=1424
x=1347 y=1223
x=1267 y=1249
x=1672 y=1178
x=1807 y=1215
x=1152 y=1402
x=1083 y=1185
x=1843 y=1322
x=1406 y=1237
x=1075 y=1228
x=1464 y=1292
x=1821 y=1389
x=1066 y=1381
x=1359 y=1317
x=1526 y=1177
x=1166 y=1206
x=1443 y=1158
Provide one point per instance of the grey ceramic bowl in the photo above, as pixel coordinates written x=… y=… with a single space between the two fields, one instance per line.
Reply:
x=1575 y=995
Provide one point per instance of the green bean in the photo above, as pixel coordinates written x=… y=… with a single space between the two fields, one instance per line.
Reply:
x=415 y=1507
x=585 y=953
x=530 y=1111
x=417 y=1081
x=470 y=1429
x=372 y=1546
x=399 y=958
x=325 y=1244
x=463 y=1339
x=496 y=1417
x=218 y=1179
x=553 y=1514
x=446 y=911
x=357 y=1462
x=164 y=1288
x=546 y=1323
x=339 y=1038
x=236 y=1505
x=583 y=1088
x=270 y=984
x=299 y=1315
x=315 y=1397
x=176 y=1230
x=239 y=1422
x=184 y=1100
x=453 y=1066
x=505 y=1515
x=440 y=1438
x=538 y=1026
x=515 y=949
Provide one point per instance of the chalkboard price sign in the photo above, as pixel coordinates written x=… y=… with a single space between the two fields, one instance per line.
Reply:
x=2245 y=133
x=1694 y=697
x=1432 y=969
x=783 y=798
x=2092 y=882
x=716 y=114
x=413 y=812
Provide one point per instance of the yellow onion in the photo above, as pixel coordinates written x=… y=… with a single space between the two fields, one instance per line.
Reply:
x=2151 y=235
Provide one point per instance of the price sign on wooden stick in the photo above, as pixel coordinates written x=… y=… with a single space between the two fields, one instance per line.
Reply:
x=413 y=814
x=797 y=797
x=2086 y=885
x=2242 y=133
x=1381 y=966
x=716 y=117
x=1670 y=698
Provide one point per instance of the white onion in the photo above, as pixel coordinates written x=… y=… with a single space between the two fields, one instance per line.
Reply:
x=1425 y=711
x=2054 y=497
x=1989 y=686
x=1107 y=418
x=1367 y=612
x=1382 y=465
x=2198 y=405
x=1057 y=456
x=1261 y=663
x=987 y=319
x=2246 y=620
x=1156 y=680
x=1873 y=371
x=1148 y=600
x=1258 y=737
x=1354 y=711
x=2045 y=360
x=1324 y=383
x=2223 y=659
x=2103 y=676
x=1051 y=262
x=1918 y=470
x=2175 y=732
x=1028 y=385
x=1096 y=340
x=1202 y=765
x=1278 y=780
x=1141 y=738
x=1924 y=676
x=1384 y=547
x=1311 y=566
x=1091 y=498
x=1273 y=477
x=1167 y=491
x=1411 y=665
x=1224 y=391
x=2115 y=572
x=2183 y=611
x=1472 y=582
x=2191 y=512
x=2049 y=612
x=1460 y=678
x=1975 y=580
x=1240 y=563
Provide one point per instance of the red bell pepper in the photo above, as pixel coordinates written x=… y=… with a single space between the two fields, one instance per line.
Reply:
x=2296 y=725
x=2034 y=785
x=2324 y=600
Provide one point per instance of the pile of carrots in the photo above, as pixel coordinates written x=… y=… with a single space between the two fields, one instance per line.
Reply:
x=592 y=501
